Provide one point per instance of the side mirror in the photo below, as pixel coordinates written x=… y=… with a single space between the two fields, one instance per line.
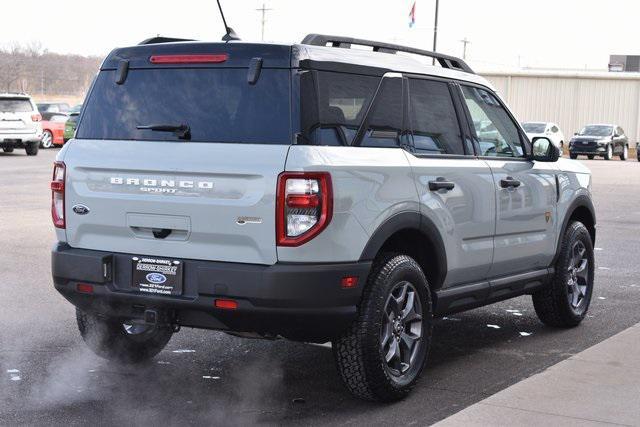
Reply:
x=544 y=150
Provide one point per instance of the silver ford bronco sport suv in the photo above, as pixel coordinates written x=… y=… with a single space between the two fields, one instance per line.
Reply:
x=313 y=192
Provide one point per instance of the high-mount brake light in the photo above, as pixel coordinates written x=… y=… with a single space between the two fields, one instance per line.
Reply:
x=189 y=59
x=304 y=206
x=57 y=194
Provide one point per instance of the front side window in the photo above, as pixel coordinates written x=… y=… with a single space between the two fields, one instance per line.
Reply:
x=496 y=133
x=433 y=118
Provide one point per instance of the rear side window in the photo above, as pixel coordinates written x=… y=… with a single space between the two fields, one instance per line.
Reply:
x=433 y=118
x=333 y=105
x=15 y=105
x=218 y=105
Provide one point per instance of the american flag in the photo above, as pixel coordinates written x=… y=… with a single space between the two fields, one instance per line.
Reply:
x=412 y=15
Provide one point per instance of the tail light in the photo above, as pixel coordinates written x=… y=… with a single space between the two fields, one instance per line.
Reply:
x=57 y=194
x=304 y=206
x=36 y=117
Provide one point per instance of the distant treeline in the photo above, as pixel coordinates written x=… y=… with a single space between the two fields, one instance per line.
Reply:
x=36 y=71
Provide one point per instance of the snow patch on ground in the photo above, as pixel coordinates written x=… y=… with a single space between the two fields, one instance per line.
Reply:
x=493 y=326
x=183 y=351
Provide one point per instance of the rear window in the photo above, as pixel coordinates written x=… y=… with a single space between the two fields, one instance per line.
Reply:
x=218 y=105
x=15 y=105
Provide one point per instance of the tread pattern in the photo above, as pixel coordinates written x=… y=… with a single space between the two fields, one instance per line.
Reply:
x=357 y=351
x=550 y=303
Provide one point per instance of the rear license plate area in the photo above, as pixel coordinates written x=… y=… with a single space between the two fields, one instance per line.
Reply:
x=157 y=276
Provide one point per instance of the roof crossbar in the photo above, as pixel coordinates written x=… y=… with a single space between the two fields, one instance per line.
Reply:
x=445 y=61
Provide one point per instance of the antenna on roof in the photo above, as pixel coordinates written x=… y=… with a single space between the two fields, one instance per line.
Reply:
x=229 y=33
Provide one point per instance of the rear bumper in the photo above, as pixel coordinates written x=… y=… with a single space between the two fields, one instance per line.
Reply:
x=19 y=139
x=304 y=302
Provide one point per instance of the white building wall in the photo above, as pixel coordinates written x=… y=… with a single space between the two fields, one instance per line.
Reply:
x=572 y=100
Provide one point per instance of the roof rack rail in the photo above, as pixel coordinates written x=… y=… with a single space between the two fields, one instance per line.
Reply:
x=159 y=39
x=445 y=61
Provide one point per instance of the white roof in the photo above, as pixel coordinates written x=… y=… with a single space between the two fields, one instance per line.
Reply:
x=399 y=62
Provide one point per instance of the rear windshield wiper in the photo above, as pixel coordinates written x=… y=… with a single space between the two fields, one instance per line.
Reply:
x=181 y=131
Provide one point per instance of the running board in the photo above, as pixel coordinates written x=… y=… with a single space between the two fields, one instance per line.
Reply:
x=473 y=295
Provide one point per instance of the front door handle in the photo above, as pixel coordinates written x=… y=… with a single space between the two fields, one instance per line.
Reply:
x=441 y=183
x=509 y=182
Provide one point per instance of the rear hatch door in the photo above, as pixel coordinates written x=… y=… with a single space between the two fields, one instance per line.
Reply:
x=151 y=189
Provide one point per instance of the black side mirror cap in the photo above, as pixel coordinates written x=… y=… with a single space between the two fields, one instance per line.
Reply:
x=544 y=150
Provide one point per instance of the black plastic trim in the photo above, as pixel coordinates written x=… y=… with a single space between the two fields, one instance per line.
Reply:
x=581 y=201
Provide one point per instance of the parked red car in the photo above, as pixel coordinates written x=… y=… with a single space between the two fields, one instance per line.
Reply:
x=53 y=129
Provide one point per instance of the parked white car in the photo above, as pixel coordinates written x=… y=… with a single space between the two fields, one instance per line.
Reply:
x=546 y=129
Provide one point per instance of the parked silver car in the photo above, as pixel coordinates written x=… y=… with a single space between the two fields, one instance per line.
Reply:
x=20 y=125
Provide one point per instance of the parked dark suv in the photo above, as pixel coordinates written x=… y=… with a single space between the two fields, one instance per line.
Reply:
x=604 y=140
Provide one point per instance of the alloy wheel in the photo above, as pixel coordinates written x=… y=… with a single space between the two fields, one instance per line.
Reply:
x=578 y=278
x=47 y=140
x=401 y=335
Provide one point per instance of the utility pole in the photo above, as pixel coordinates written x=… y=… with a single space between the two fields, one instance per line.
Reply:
x=264 y=11
x=435 y=31
x=464 y=42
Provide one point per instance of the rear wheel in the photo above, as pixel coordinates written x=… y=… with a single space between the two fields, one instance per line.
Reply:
x=564 y=303
x=32 y=148
x=383 y=353
x=609 y=154
x=119 y=341
x=47 y=139
x=8 y=149
x=573 y=156
x=625 y=153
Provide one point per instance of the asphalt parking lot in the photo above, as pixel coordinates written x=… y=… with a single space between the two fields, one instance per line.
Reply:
x=47 y=376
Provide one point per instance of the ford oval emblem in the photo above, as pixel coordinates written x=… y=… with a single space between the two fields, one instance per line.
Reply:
x=156 y=278
x=80 y=209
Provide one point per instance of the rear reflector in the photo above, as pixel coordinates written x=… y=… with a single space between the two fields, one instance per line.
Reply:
x=83 y=288
x=227 y=304
x=189 y=59
x=349 y=282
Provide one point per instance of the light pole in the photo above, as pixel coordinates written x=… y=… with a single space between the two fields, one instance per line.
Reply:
x=264 y=11
x=464 y=42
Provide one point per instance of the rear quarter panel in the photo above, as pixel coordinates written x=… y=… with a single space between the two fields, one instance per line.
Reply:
x=369 y=186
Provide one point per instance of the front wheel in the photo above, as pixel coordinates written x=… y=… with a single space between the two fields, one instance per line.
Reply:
x=609 y=154
x=383 y=353
x=625 y=153
x=124 y=342
x=590 y=156
x=565 y=301
x=8 y=149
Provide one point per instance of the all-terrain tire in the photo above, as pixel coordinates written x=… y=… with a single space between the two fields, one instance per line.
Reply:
x=110 y=340
x=32 y=148
x=552 y=303
x=358 y=352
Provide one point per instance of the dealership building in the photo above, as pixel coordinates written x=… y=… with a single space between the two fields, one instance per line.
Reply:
x=572 y=99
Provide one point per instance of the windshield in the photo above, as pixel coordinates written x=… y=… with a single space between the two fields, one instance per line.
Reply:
x=534 y=127
x=597 y=130
x=217 y=105
x=15 y=105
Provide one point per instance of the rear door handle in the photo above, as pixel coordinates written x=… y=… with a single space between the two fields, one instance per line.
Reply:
x=441 y=183
x=509 y=182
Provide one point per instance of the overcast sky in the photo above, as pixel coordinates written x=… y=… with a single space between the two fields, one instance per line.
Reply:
x=503 y=33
